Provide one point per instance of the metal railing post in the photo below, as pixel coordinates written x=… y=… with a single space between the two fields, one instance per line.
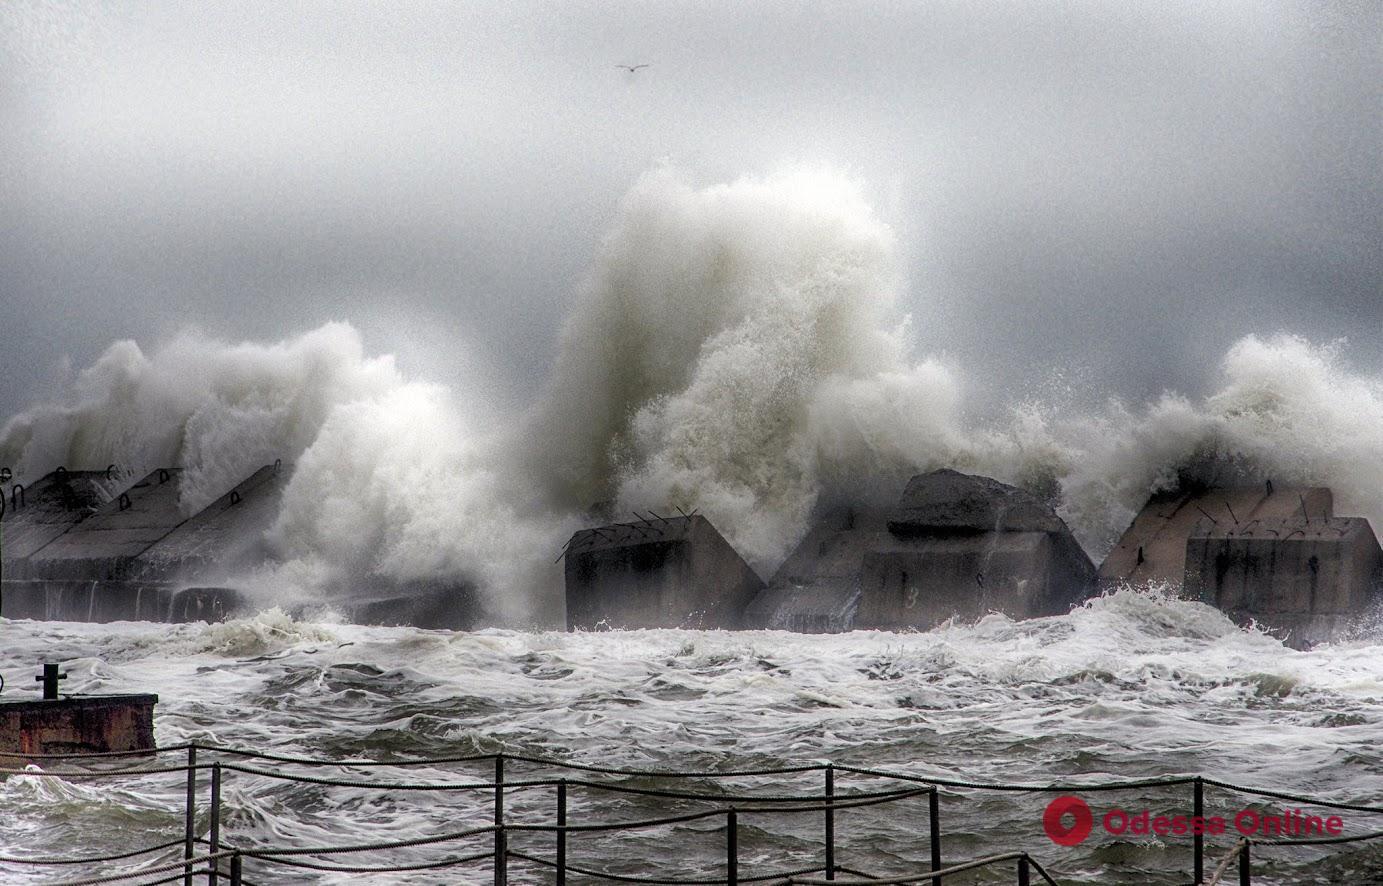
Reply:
x=235 y=873
x=1245 y=875
x=215 y=821
x=934 y=829
x=562 y=834
x=1198 y=836
x=830 y=822
x=732 y=848
x=501 y=842
x=499 y=789
x=190 y=818
x=1024 y=874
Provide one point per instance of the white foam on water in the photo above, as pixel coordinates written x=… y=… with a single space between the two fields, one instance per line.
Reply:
x=1130 y=684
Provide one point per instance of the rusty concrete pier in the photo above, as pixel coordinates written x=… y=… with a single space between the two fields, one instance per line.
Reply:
x=75 y=724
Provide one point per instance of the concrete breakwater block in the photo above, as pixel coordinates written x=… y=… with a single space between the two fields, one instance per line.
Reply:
x=224 y=537
x=143 y=533
x=963 y=546
x=656 y=573
x=76 y=724
x=1303 y=578
x=949 y=503
x=956 y=545
x=817 y=589
x=74 y=550
x=1152 y=551
x=105 y=545
x=42 y=511
x=79 y=724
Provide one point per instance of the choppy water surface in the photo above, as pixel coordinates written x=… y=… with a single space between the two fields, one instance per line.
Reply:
x=1130 y=685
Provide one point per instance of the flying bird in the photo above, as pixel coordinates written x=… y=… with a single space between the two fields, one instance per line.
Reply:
x=631 y=68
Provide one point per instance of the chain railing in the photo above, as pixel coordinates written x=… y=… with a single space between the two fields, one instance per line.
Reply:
x=194 y=856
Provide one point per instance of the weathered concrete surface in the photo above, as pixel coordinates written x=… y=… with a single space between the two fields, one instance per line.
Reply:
x=434 y=605
x=139 y=557
x=956 y=545
x=223 y=538
x=1153 y=548
x=105 y=546
x=948 y=502
x=107 y=601
x=1303 y=578
x=817 y=589
x=44 y=510
x=924 y=583
x=130 y=558
x=962 y=546
x=78 y=724
x=664 y=572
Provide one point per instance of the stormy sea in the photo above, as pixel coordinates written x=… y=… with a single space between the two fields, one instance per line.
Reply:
x=738 y=349
x=1128 y=686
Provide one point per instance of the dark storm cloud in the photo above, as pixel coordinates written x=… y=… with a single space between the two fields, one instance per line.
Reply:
x=1116 y=191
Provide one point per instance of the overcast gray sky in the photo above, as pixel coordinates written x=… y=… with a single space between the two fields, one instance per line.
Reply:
x=1109 y=191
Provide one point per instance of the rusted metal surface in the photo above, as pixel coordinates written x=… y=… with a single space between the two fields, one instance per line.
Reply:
x=78 y=724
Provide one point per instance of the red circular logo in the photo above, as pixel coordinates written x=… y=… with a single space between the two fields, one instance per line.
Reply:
x=1064 y=809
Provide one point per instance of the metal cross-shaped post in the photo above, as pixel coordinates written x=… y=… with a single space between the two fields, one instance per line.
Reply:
x=50 y=680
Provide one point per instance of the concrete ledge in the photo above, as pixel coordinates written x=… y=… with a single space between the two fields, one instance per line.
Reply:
x=78 y=724
x=1021 y=574
x=88 y=601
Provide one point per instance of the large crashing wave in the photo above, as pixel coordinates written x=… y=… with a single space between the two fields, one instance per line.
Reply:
x=1285 y=409
x=738 y=349
x=390 y=480
x=216 y=409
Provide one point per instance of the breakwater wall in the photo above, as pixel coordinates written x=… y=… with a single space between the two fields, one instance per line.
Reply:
x=89 y=546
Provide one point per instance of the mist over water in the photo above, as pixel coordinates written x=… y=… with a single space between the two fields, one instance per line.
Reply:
x=737 y=348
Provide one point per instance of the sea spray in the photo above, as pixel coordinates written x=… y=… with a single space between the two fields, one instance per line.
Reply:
x=217 y=410
x=404 y=489
x=720 y=328
x=738 y=348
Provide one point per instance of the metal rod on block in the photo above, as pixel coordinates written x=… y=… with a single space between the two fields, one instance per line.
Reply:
x=190 y=817
x=215 y=822
x=1024 y=872
x=830 y=822
x=1245 y=874
x=732 y=848
x=235 y=872
x=934 y=828
x=1198 y=836
x=562 y=834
